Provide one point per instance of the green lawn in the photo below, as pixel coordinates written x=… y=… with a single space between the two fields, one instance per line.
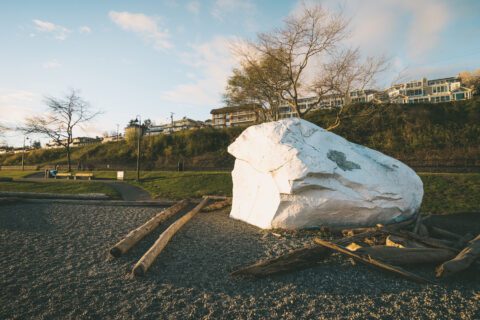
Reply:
x=64 y=187
x=15 y=174
x=180 y=185
x=444 y=193
x=450 y=192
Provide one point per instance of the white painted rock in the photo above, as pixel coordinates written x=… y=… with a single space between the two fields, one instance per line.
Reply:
x=293 y=174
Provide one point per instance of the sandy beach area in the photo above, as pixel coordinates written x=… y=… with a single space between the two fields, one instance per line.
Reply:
x=54 y=264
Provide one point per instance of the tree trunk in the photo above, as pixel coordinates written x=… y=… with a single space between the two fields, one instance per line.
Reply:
x=68 y=158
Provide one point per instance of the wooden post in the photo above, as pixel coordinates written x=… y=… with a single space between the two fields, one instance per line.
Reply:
x=136 y=235
x=148 y=258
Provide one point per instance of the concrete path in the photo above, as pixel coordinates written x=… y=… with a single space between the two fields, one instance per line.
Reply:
x=128 y=191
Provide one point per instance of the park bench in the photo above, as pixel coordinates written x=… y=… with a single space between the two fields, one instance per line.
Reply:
x=63 y=174
x=88 y=175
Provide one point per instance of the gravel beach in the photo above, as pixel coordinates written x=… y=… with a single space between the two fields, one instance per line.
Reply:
x=54 y=264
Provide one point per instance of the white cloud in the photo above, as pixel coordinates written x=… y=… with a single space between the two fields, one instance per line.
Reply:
x=143 y=25
x=412 y=26
x=84 y=29
x=52 y=64
x=224 y=7
x=59 y=32
x=16 y=105
x=193 y=7
x=429 y=20
x=213 y=63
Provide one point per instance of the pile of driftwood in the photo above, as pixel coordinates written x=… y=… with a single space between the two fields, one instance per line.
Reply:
x=139 y=233
x=383 y=247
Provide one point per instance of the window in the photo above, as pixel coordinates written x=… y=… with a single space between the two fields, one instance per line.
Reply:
x=447 y=98
x=460 y=96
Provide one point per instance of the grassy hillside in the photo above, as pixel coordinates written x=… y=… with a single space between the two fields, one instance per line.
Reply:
x=419 y=134
x=427 y=134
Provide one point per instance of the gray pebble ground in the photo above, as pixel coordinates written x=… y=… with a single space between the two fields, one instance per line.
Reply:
x=54 y=265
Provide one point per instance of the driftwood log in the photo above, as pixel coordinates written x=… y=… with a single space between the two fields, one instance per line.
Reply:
x=148 y=258
x=432 y=242
x=350 y=231
x=297 y=259
x=401 y=242
x=374 y=263
x=217 y=205
x=136 y=235
x=406 y=256
x=462 y=261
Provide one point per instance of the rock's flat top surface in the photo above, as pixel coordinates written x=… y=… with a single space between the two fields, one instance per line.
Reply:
x=294 y=174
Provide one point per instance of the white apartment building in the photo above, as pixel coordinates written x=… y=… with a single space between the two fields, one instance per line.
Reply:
x=175 y=126
x=437 y=90
x=234 y=116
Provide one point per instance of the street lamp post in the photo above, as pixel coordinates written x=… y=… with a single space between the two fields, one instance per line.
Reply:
x=138 y=146
x=23 y=154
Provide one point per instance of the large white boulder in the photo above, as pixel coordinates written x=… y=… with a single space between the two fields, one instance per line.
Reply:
x=293 y=174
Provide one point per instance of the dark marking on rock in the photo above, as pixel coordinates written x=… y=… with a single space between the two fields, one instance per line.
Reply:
x=341 y=160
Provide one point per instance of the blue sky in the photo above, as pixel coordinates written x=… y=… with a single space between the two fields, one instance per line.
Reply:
x=155 y=57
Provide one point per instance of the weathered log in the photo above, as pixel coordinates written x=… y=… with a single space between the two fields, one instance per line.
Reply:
x=418 y=221
x=444 y=233
x=297 y=259
x=436 y=243
x=401 y=242
x=423 y=231
x=217 y=205
x=148 y=258
x=407 y=256
x=462 y=261
x=345 y=231
x=459 y=241
x=136 y=235
x=374 y=263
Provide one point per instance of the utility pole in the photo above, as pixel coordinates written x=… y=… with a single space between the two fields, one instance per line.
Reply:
x=139 y=119
x=117 y=132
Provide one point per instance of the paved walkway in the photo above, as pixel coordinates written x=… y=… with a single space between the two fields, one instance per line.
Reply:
x=127 y=191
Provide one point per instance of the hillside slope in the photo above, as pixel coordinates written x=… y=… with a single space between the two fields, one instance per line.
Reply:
x=421 y=135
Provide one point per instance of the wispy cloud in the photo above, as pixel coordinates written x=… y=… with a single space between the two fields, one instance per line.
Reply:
x=193 y=7
x=84 y=29
x=213 y=63
x=59 y=32
x=409 y=26
x=52 y=64
x=16 y=105
x=143 y=25
x=224 y=7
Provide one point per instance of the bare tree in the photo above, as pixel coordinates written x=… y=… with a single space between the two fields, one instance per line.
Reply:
x=309 y=42
x=311 y=33
x=257 y=86
x=63 y=115
x=347 y=72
